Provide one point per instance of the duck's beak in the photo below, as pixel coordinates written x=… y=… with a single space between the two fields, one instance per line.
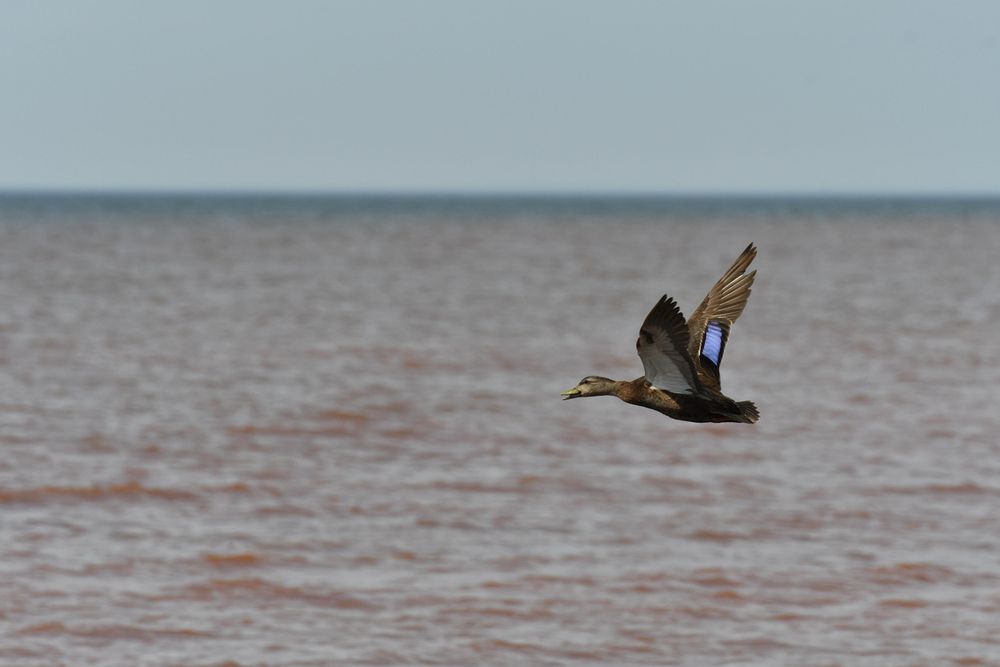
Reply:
x=570 y=393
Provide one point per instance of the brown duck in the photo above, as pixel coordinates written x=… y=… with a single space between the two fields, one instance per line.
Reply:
x=681 y=359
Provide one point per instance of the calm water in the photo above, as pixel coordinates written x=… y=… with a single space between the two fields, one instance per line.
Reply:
x=315 y=432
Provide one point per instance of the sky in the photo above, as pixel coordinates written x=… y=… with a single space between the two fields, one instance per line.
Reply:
x=798 y=96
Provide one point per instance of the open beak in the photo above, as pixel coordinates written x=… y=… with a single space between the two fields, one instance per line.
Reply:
x=570 y=393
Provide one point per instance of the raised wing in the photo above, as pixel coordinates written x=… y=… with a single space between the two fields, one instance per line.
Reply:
x=710 y=322
x=663 y=349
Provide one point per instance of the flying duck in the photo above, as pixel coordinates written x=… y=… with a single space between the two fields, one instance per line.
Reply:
x=681 y=358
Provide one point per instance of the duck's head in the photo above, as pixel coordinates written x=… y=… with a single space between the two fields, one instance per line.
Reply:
x=592 y=385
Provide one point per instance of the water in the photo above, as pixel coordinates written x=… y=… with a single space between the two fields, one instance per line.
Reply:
x=328 y=432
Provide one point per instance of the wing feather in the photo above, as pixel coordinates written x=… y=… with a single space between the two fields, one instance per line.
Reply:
x=663 y=349
x=711 y=321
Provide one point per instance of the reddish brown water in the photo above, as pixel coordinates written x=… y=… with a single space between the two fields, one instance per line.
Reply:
x=273 y=441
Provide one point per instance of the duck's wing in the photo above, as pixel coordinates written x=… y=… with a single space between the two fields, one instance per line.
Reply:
x=710 y=322
x=663 y=349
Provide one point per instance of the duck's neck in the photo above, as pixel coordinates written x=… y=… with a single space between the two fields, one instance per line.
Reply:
x=631 y=391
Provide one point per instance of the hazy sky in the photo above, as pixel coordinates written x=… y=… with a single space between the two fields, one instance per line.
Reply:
x=577 y=95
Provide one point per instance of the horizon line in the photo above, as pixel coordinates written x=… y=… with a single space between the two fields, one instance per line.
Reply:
x=418 y=193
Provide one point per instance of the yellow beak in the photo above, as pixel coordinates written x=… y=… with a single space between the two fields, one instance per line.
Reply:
x=570 y=393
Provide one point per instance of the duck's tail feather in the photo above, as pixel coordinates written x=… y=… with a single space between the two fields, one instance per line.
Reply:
x=748 y=412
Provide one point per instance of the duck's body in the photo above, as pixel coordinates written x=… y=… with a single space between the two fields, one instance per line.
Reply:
x=682 y=358
x=686 y=407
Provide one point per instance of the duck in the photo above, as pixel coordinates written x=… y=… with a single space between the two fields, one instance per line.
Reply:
x=681 y=358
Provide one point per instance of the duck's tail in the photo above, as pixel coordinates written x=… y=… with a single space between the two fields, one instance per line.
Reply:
x=741 y=412
x=748 y=412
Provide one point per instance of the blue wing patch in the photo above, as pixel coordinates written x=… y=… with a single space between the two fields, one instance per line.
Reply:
x=711 y=345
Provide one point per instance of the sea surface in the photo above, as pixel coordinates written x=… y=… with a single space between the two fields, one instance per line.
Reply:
x=248 y=431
